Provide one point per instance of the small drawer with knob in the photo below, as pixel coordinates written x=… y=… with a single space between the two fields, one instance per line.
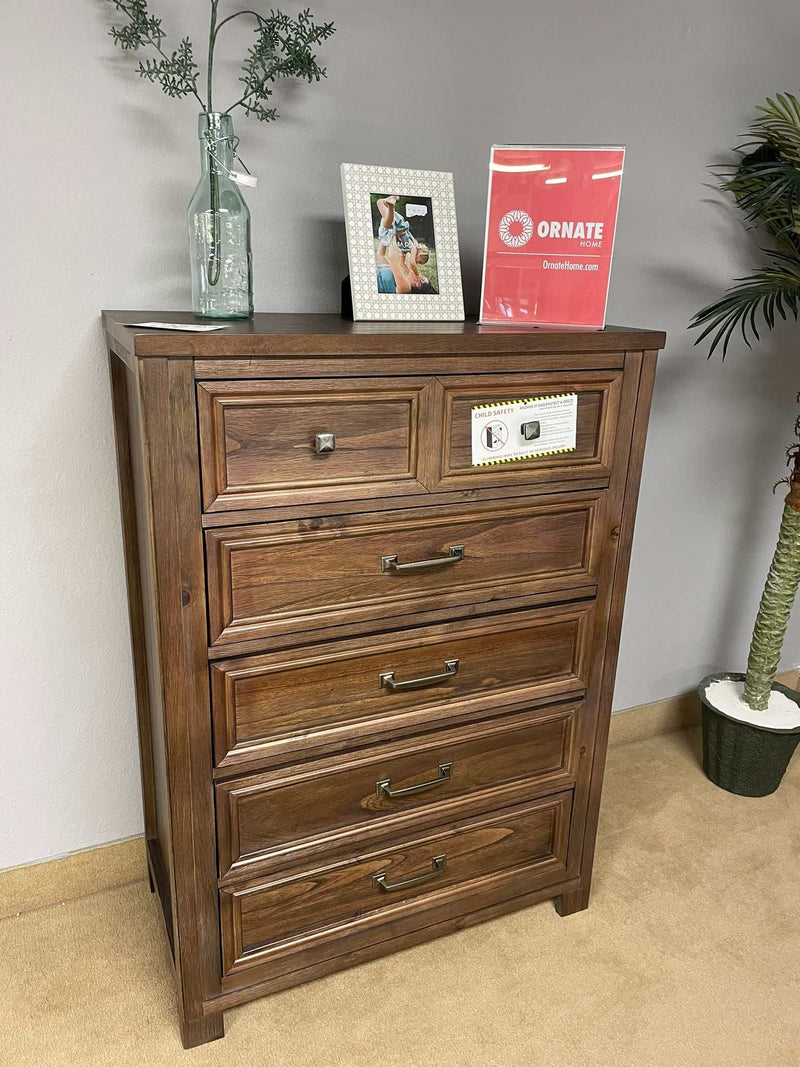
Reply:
x=415 y=882
x=278 y=442
x=289 y=816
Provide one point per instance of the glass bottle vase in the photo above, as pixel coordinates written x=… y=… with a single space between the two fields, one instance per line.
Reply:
x=219 y=228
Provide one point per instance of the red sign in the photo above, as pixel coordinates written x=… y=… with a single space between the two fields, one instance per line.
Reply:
x=550 y=225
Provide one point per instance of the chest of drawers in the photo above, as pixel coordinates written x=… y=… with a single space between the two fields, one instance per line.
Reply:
x=373 y=681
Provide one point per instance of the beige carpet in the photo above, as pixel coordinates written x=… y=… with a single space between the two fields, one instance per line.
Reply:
x=689 y=955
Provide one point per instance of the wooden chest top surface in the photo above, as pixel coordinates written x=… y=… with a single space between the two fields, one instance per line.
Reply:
x=272 y=334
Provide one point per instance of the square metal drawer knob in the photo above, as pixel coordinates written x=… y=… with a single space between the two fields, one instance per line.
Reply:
x=531 y=430
x=325 y=442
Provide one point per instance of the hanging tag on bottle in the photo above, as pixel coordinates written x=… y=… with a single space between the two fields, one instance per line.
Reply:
x=243 y=179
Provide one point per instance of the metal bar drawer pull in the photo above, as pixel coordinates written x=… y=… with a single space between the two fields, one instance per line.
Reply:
x=438 y=864
x=386 y=679
x=384 y=787
x=389 y=563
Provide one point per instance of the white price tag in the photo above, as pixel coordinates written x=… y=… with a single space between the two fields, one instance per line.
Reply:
x=523 y=429
x=241 y=178
x=186 y=326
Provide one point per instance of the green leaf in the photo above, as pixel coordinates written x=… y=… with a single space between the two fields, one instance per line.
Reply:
x=176 y=72
x=770 y=289
x=284 y=48
x=768 y=192
x=778 y=122
x=766 y=185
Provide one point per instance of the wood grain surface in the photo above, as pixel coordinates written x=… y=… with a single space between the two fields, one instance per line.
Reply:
x=294 y=577
x=270 y=598
x=272 y=707
x=280 y=818
x=270 y=919
x=292 y=335
x=258 y=440
x=598 y=401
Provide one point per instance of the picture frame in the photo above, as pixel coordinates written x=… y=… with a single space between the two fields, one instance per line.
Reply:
x=402 y=244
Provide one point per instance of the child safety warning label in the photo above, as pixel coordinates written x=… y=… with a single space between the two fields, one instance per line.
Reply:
x=523 y=429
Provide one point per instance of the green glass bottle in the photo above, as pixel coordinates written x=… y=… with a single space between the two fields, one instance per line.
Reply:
x=219 y=228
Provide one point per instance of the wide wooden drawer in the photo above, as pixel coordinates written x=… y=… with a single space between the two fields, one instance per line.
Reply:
x=360 y=569
x=342 y=802
x=258 y=440
x=598 y=394
x=269 y=708
x=510 y=852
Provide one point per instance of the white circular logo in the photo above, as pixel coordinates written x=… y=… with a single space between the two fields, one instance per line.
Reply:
x=516 y=228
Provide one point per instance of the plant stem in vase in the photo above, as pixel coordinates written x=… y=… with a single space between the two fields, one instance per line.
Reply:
x=219 y=228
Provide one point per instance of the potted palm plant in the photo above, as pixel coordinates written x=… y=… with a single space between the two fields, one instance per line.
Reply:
x=751 y=724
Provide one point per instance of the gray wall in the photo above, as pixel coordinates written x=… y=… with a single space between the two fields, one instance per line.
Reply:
x=97 y=170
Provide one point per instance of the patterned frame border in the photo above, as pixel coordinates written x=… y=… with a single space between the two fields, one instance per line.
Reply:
x=358 y=181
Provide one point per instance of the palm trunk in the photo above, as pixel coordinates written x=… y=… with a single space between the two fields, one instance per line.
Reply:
x=776 y=602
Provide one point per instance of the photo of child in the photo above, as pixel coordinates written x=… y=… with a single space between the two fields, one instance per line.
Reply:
x=405 y=247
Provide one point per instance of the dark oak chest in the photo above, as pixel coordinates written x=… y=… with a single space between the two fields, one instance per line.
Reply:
x=373 y=680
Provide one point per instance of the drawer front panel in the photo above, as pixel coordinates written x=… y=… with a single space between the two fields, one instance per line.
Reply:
x=598 y=405
x=268 y=707
x=277 y=817
x=259 y=443
x=270 y=919
x=285 y=577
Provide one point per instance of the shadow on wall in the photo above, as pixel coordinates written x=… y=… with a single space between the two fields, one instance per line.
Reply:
x=323 y=270
x=174 y=169
x=76 y=695
x=756 y=391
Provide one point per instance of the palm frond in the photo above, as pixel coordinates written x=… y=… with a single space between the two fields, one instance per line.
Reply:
x=769 y=193
x=767 y=292
x=764 y=189
x=779 y=122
